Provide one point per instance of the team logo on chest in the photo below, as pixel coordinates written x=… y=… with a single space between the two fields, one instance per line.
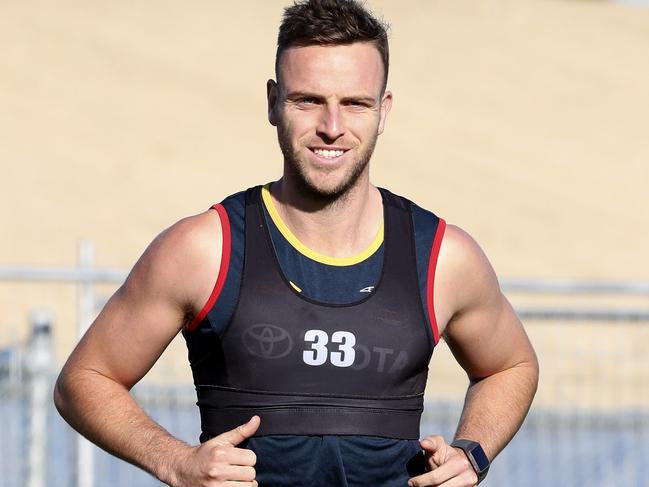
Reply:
x=267 y=341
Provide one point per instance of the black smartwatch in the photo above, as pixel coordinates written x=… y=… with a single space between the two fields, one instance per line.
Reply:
x=476 y=456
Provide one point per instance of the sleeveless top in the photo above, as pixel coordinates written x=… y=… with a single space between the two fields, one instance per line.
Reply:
x=310 y=367
x=348 y=460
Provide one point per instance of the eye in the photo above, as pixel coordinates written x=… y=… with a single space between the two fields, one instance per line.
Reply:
x=307 y=102
x=357 y=104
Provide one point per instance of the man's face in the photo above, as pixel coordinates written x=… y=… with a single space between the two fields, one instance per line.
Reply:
x=329 y=109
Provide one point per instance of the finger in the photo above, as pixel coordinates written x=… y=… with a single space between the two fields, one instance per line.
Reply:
x=454 y=482
x=465 y=479
x=420 y=481
x=238 y=434
x=435 y=448
x=236 y=483
x=432 y=443
x=238 y=473
x=240 y=456
x=454 y=473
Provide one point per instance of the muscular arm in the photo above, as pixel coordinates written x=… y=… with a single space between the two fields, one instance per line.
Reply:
x=489 y=342
x=167 y=286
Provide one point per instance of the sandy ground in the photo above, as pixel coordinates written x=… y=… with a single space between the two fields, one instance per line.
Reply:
x=524 y=122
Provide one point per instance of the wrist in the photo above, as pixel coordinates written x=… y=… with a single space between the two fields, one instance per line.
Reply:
x=170 y=465
x=476 y=456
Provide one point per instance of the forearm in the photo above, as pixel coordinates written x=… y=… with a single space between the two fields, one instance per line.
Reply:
x=496 y=406
x=103 y=411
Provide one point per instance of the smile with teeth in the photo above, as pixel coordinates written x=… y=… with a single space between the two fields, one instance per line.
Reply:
x=328 y=154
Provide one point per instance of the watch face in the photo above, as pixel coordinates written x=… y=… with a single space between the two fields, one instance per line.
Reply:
x=480 y=457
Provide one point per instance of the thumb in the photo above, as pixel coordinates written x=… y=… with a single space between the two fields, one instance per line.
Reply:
x=435 y=448
x=238 y=434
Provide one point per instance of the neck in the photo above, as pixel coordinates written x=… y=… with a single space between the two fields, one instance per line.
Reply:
x=342 y=227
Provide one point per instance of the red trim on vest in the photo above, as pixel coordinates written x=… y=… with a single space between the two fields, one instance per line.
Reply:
x=430 y=281
x=223 y=269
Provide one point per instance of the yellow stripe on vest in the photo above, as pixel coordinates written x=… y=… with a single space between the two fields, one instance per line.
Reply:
x=312 y=254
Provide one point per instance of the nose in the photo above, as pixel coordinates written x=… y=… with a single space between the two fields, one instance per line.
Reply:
x=330 y=125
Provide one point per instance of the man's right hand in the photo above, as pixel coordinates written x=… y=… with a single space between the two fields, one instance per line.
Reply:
x=218 y=462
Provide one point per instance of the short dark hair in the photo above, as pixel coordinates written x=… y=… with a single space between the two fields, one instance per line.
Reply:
x=331 y=22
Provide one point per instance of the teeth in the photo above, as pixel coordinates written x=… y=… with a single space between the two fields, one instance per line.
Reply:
x=329 y=154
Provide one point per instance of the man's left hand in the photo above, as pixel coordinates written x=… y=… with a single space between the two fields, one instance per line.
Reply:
x=448 y=466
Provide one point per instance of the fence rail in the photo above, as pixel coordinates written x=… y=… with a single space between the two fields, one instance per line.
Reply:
x=575 y=286
x=62 y=274
x=508 y=285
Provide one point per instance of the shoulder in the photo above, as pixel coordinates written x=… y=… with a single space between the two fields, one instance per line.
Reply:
x=190 y=241
x=461 y=252
x=466 y=279
x=181 y=263
x=193 y=244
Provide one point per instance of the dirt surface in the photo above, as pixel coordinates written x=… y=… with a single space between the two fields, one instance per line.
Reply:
x=524 y=122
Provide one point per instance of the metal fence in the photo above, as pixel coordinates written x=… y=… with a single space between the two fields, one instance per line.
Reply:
x=589 y=424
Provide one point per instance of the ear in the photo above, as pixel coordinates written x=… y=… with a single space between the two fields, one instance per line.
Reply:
x=386 y=105
x=271 y=96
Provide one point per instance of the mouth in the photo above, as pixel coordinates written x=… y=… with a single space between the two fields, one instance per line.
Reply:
x=328 y=153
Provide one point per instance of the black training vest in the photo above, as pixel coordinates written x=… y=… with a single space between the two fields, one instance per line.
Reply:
x=310 y=368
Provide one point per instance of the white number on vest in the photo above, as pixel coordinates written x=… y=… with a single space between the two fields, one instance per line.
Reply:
x=342 y=357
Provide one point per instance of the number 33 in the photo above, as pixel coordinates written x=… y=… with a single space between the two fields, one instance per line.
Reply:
x=318 y=354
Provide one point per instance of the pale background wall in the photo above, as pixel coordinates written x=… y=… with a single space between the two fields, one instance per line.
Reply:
x=523 y=121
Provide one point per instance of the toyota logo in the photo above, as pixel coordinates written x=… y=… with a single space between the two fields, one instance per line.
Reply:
x=267 y=341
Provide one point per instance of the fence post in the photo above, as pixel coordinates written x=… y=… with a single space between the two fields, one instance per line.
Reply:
x=85 y=315
x=38 y=366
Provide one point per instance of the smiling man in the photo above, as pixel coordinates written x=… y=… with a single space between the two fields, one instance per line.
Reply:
x=311 y=306
x=329 y=108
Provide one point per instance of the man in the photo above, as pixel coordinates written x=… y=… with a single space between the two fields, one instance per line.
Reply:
x=310 y=306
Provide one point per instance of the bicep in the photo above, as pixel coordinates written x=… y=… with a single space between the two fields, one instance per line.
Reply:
x=171 y=280
x=128 y=336
x=487 y=340
x=484 y=333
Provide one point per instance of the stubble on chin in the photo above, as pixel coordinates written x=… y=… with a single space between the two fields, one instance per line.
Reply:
x=322 y=195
